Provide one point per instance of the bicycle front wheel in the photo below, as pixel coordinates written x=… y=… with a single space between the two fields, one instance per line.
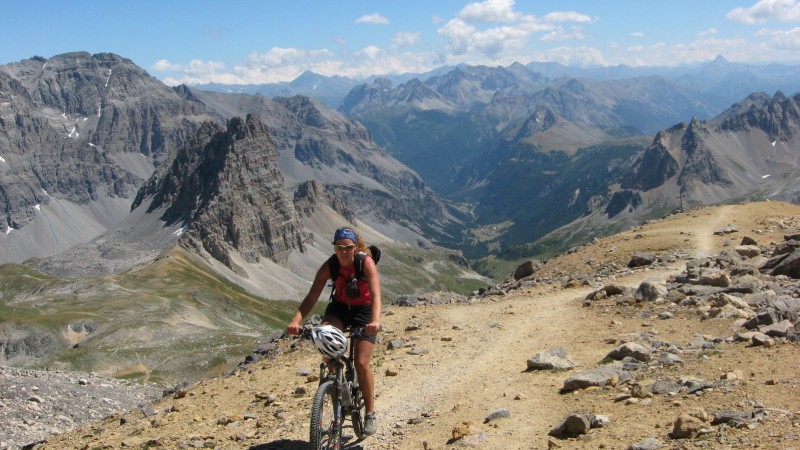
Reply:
x=326 y=418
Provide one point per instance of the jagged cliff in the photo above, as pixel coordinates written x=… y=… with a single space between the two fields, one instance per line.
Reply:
x=752 y=150
x=226 y=188
x=316 y=143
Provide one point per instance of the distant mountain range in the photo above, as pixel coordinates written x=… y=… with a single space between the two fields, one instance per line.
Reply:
x=722 y=82
x=438 y=158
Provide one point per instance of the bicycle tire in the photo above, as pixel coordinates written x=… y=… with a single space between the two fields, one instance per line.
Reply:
x=326 y=429
x=357 y=412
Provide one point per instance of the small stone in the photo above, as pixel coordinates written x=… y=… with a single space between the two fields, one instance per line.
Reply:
x=499 y=414
x=181 y=393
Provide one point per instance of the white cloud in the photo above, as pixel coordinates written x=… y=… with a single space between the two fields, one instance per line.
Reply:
x=458 y=34
x=199 y=67
x=277 y=64
x=789 y=39
x=708 y=32
x=581 y=56
x=405 y=39
x=279 y=56
x=567 y=16
x=493 y=43
x=767 y=11
x=373 y=19
x=370 y=52
x=637 y=34
x=196 y=71
x=560 y=34
x=489 y=11
x=163 y=65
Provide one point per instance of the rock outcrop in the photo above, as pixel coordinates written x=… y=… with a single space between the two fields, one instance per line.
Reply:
x=227 y=190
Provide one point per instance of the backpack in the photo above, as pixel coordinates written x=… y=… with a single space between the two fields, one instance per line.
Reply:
x=333 y=264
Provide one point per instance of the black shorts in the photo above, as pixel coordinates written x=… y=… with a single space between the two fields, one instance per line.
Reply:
x=351 y=316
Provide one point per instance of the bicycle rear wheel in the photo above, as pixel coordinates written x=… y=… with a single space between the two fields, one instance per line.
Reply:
x=326 y=419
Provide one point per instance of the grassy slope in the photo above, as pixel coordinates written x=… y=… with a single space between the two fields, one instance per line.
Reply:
x=174 y=319
x=167 y=318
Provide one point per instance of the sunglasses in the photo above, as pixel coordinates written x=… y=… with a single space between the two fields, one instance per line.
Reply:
x=344 y=247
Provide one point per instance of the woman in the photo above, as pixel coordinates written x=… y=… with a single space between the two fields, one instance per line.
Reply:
x=346 y=311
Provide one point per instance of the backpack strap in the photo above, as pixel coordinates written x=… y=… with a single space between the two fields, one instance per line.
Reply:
x=333 y=268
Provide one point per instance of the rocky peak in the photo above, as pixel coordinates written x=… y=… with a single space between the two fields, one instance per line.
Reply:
x=305 y=110
x=310 y=194
x=655 y=167
x=542 y=119
x=365 y=96
x=778 y=117
x=416 y=92
x=227 y=190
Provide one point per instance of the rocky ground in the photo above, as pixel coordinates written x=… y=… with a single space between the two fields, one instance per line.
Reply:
x=35 y=404
x=665 y=336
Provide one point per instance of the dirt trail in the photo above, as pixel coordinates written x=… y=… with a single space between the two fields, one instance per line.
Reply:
x=483 y=369
x=487 y=367
x=703 y=232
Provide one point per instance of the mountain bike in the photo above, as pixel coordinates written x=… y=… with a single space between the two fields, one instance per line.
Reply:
x=338 y=396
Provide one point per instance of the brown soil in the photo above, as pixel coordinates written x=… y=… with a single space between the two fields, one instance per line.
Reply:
x=476 y=365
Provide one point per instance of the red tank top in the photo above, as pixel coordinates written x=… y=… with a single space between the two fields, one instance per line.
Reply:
x=341 y=282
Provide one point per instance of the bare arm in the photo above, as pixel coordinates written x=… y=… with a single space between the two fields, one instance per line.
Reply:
x=374 y=282
x=322 y=277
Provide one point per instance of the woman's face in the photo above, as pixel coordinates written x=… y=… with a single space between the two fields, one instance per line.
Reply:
x=345 y=251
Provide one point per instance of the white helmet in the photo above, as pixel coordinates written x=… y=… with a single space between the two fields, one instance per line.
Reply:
x=329 y=340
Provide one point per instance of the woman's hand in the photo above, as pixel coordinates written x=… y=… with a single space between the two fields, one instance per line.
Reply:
x=372 y=328
x=293 y=329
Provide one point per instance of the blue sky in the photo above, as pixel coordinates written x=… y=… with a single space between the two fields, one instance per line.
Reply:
x=260 y=41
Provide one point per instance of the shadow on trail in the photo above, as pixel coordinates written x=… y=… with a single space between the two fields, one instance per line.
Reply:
x=293 y=444
x=283 y=444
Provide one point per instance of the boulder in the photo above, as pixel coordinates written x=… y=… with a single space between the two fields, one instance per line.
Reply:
x=526 y=269
x=789 y=266
x=600 y=376
x=641 y=260
x=557 y=358
x=650 y=292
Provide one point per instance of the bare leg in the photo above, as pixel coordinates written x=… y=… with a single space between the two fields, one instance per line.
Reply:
x=366 y=380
